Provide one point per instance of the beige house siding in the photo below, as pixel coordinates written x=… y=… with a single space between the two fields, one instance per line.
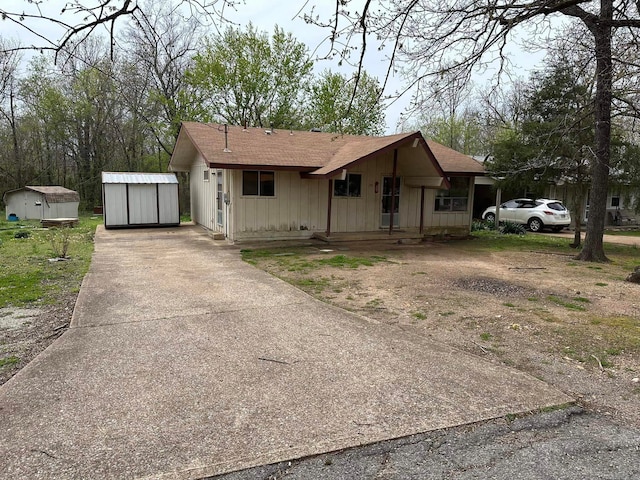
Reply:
x=447 y=223
x=299 y=207
x=203 y=196
x=296 y=211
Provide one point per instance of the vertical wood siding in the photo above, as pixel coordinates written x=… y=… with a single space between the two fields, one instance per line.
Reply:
x=299 y=207
x=203 y=196
x=447 y=222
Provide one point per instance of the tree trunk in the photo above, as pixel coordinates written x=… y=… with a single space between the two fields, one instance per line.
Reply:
x=593 y=250
x=17 y=157
x=578 y=208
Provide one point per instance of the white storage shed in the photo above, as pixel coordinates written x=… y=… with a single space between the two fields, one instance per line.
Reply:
x=42 y=202
x=140 y=199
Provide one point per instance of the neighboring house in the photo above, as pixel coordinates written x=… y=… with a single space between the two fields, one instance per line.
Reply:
x=265 y=184
x=39 y=203
x=620 y=203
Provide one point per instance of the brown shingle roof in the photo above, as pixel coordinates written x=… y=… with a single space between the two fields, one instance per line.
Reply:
x=318 y=154
x=56 y=194
x=455 y=162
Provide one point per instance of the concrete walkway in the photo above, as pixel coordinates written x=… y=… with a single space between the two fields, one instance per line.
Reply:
x=183 y=362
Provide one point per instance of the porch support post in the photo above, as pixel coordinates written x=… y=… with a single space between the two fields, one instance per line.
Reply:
x=422 y=210
x=393 y=189
x=328 y=231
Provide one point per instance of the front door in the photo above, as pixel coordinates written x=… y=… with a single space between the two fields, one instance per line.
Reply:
x=219 y=198
x=387 y=183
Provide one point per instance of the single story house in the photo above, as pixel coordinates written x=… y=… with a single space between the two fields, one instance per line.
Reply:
x=621 y=203
x=41 y=202
x=134 y=199
x=263 y=184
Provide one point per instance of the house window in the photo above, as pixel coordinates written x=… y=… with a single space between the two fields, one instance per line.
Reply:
x=258 y=183
x=615 y=201
x=456 y=199
x=351 y=186
x=205 y=175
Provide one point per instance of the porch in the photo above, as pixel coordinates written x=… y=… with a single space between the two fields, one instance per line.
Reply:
x=397 y=236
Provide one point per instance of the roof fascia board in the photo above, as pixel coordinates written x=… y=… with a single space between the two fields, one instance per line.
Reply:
x=446 y=184
x=193 y=144
x=235 y=166
x=465 y=174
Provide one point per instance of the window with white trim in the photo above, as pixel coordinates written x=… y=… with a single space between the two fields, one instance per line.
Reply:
x=456 y=199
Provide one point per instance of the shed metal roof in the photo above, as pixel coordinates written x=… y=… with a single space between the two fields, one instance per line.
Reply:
x=136 y=177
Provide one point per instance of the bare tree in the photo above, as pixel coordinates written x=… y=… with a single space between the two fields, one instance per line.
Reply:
x=77 y=20
x=9 y=61
x=430 y=37
x=161 y=43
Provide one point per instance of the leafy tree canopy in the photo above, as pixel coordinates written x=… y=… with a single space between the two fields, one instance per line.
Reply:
x=245 y=76
x=335 y=107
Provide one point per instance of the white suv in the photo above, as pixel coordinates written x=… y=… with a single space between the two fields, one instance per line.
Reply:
x=536 y=214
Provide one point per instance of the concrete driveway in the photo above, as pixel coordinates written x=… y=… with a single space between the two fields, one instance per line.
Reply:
x=618 y=239
x=182 y=362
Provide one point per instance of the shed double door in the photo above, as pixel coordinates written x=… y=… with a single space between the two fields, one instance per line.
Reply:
x=143 y=204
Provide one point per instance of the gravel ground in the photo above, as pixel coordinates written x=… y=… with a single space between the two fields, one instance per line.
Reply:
x=563 y=444
x=25 y=332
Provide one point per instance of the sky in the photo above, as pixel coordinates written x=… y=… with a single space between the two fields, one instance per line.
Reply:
x=265 y=14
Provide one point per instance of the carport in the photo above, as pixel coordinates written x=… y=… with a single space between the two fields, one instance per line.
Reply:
x=140 y=199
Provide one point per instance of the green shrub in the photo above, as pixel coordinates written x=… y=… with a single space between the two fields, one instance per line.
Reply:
x=482 y=225
x=512 y=228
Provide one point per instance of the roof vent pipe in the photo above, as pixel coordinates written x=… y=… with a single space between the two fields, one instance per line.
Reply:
x=226 y=139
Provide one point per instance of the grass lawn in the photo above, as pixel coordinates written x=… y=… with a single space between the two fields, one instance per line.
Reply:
x=28 y=277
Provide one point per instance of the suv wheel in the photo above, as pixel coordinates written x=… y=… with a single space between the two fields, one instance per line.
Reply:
x=535 y=224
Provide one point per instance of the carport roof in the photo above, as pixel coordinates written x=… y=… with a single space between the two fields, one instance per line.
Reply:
x=137 y=177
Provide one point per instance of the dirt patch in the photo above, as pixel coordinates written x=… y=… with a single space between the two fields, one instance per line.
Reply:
x=574 y=325
x=25 y=332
